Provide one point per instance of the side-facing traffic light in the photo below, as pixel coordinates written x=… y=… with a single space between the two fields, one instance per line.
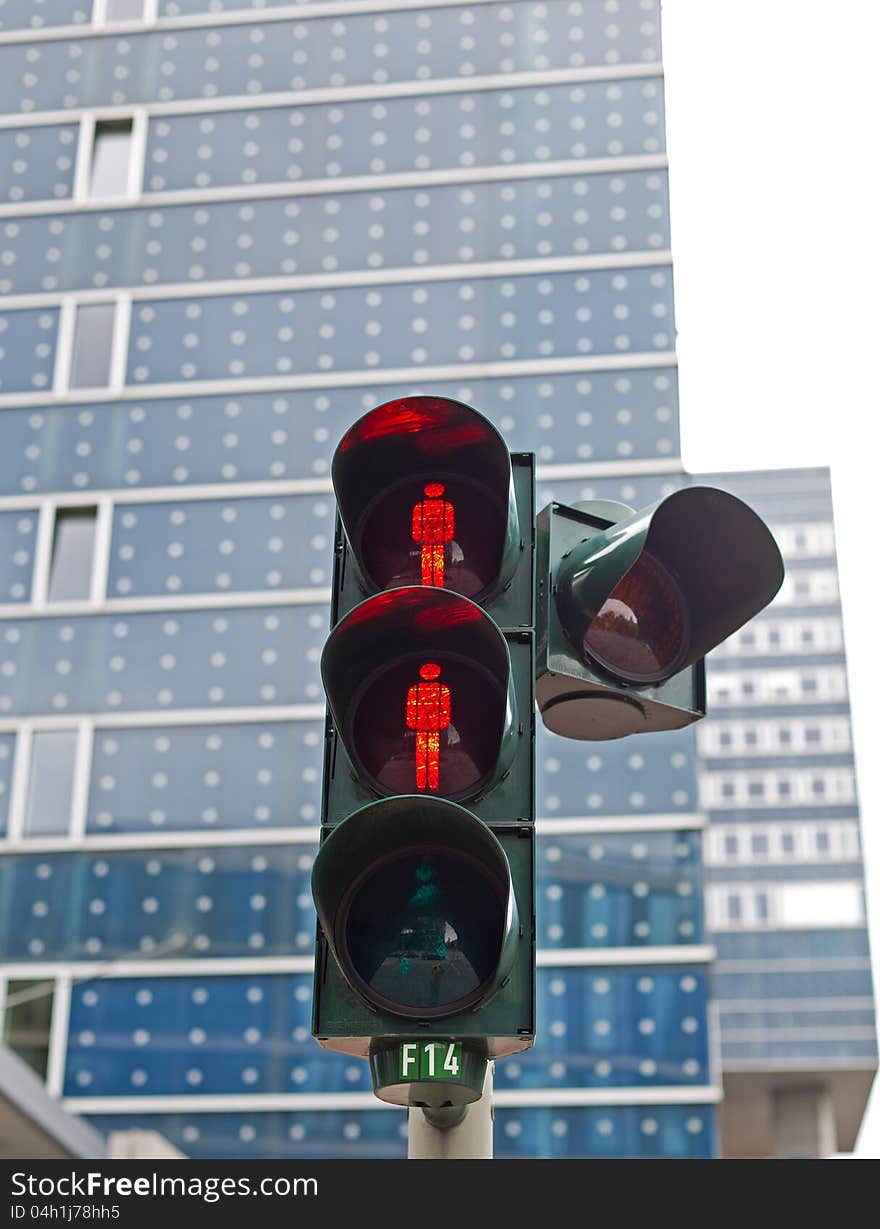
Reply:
x=629 y=604
x=424 y=880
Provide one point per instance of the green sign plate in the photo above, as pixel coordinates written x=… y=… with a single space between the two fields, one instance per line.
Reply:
x=429 y=1060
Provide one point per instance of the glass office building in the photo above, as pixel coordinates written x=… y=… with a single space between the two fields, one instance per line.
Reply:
x=226 y=230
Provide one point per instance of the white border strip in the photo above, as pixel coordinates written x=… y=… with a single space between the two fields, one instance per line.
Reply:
x=362 y=92
x=164 y=718
x=189 y=838
x=389 y=181
x=179 y=602
x=347 y=379
x=254 y=966
x=82 y=971
x=231 y=17
x=58 y=1035
x=404 y=275
x=277 y=488
x=80 y=841
x=558 y=826
x=585 y=957
x=702 y=1094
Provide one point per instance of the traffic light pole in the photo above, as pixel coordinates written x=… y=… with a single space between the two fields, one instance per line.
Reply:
x=467 y=1140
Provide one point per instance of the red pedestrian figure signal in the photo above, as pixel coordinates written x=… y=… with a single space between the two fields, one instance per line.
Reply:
x=433 y=524
x=428 y=712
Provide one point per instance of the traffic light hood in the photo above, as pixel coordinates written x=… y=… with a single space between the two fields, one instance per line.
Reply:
x=719 y=554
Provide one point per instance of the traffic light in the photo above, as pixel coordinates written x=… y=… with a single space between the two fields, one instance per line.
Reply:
x=428 y=494
x=424 y=879
x=629 y=603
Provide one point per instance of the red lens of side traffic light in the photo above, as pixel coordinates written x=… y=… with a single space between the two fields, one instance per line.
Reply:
x=641 y=631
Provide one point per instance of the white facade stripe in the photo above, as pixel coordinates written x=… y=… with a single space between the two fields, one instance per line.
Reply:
x=78 y=840
x=233 y=17
x=402 y=276
x=272 y=1102
x=337 y=94
x=366 y=378
x=390 y=181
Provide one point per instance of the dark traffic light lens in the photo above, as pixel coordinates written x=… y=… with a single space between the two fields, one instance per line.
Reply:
x=429 y=724
x=439 y=530
x=640 y=631
x=423 y=930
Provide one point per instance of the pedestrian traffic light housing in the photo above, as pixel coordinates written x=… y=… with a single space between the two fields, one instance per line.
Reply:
x=428 y=494
x=629 y=604
x=424 y=879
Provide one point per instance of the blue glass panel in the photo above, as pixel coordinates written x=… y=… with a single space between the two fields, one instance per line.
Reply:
x=613 y=1131
x=353 y=231
x=619 y=889
x=471 y=128
x=35 y=164
x=782 y=984
x=18 y=531
x=169 y=1036
x=612 y=1027
x=223 y=902
x=7 y=750
x=233 y=657
x=221 y=776
x=827 y=1019
x=364 y=1134
x=796 y=944
x=205 y=546
x=533 y=1131
x=255 y=436
x=368 y=48
x=782 y=1052
x=356 y=328
x=650 y=775
x=35 y=14
x=166 y=1036
x=27 y=349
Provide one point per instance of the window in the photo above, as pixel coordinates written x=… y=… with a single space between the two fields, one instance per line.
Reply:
x=53 y=755
x=788 y=842
x=111 y=158
x=27 y=1021
x=731 y=845
x=92 y=345
x=759 y=844
x=734 y=907
x=125 y=10
x=823 y=842
x=762 y=909
x=73 y=545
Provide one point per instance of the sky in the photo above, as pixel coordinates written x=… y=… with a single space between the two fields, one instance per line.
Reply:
x=772 y=116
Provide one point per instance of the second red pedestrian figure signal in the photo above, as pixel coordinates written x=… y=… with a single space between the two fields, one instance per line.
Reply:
x=428 y=706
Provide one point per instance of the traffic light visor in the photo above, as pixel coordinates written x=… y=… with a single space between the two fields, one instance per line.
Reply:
x=416 y=900
x=425 y=493
x=650 y=595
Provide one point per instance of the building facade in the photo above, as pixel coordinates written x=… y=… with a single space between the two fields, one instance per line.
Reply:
x=785 y=892
x=227 y=231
